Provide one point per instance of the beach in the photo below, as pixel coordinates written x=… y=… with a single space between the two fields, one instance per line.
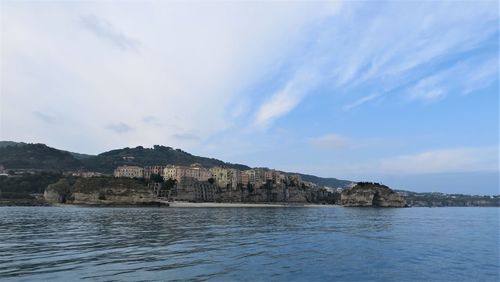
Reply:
x=179 y=204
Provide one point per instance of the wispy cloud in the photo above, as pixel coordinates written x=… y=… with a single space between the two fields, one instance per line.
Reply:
x=444 y=160
x=287 y=98
x=105 y=30
x=119 y=127
x=360 y=101
x=45 y=117
x=485 y=74
x=428 y=89
x=331 y=141
x=447 y=160
x=152 y=120
x=379 y=53
x=186 y=137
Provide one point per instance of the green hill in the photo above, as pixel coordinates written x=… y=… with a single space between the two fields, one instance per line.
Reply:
x=11 y=143
x=37 y=156
x=158 y=155
x=18 y=155
x=330 y=182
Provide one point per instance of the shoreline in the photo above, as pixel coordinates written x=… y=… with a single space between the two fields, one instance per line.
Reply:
x=246 y=205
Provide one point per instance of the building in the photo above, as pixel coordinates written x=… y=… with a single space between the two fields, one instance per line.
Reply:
x=195 y=171
x=275 y=176
x=86 y=174
x=129 y=171
x=244 y=178
x=249 y=176
x=220 y=175
x=227 y=177
x=233 y=178
x=155 y=169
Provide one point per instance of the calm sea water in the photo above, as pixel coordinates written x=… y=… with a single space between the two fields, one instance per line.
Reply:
x=252 y=244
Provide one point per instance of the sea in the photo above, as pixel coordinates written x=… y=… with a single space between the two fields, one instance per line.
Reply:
x=249 y=244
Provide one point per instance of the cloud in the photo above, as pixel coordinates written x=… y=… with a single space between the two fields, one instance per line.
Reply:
x=449 y=160
x=119 y=127
x=152 y=120
x=379 y=53
x=48 y=118
x=105 y=30
x=444 y=160
x=186 y=137
x=456 y=79
x=427 y=89
x=360 y=101
x=485 y=74
x=330 y=141
x=197 y=61
x=285 y=99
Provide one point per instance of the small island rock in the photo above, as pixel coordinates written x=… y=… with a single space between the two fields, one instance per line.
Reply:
x=366 y=194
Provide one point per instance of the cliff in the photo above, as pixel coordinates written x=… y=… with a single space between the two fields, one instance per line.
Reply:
x=100 y=191
x=58 y=192
x=114 y=191
x=271 y=192
x=366 y=194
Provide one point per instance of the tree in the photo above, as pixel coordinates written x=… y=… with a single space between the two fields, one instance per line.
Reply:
x=156 y=178
x=170 y=183
x=250 y=188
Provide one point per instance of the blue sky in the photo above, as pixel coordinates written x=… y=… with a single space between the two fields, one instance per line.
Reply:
x=401 y=92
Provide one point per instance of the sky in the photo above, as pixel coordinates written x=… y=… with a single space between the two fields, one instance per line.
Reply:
x=405 y=93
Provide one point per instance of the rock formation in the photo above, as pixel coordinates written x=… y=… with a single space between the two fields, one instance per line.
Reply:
x=100 y=191
x=111 y=191
x=58 y=192
x=366 y=194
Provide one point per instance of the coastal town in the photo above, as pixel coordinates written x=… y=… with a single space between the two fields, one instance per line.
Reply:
x=35 y=174
x=198 y=183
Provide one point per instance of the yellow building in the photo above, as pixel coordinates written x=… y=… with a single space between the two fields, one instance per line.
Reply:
x=194 y=171
x=220 y=175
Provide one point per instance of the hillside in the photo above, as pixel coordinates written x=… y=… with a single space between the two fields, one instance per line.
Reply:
x=158 y=155
x=18 y=155
x=37 y=156
x=435 y=199
x=330 y=182
x=11 y=143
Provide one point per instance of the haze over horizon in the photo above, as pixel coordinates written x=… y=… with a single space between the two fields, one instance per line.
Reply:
x=402 y=93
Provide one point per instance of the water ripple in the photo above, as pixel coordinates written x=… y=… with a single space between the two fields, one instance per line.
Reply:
x=234 y=244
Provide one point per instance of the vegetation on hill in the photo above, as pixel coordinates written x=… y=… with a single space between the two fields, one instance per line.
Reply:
x=158 y=155
x=37 y=156
x=11 y=143
x=22 y=186
x=330 y=182
x=435 y=199
x=17 y=155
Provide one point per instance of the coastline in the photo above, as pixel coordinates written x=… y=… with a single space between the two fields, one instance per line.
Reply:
x=246 y=205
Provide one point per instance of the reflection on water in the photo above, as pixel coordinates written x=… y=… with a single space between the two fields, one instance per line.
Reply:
x=103 y=244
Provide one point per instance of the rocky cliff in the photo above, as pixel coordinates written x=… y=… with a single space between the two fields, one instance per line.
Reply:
x=366 y=194
x=270 y=192
x=58 y=192
x=100 y=191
